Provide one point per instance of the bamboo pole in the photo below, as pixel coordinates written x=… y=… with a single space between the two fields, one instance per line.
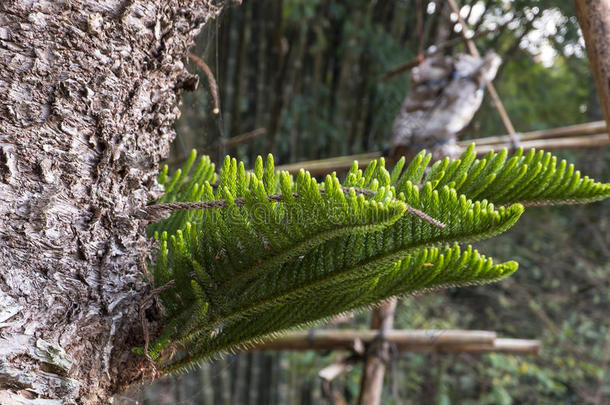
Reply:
x=373 y=370
x=412 y=341
x=345 y=339
x=508 y=346
x=589 y=141
x=323 y=166
x=594 y=20
x=575 y=136
x=589 y=128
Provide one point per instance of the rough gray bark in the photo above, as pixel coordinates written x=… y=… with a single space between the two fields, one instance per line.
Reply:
x=445 y=94
x=594 y=20
x=90 y=90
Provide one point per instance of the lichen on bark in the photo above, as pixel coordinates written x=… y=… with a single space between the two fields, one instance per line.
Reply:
x=90 y=94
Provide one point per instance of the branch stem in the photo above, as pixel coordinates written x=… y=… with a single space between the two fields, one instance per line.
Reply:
x=152 y=210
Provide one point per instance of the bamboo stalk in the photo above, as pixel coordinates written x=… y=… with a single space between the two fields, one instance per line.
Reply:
x=344 y=339
x=375 y=358
x=413 y=341
x=589 y=141
x=254 y=380
x=323 y=166
x=238 y=76
x=576 y=136
x=248 y=378
x=589 y=128
x=508 y=346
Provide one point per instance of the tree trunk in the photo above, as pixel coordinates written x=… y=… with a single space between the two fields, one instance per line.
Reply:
x=89 y=97
x=594 y=20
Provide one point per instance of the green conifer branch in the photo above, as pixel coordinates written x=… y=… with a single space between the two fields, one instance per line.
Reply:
x=425 y=270
x=278 y=252
x=536 y=178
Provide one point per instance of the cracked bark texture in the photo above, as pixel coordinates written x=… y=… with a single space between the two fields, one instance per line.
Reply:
x=594 y=19
x=90 y=90
x=446 y=92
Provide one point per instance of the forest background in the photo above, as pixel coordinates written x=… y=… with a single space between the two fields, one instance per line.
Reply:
x=310 y=73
